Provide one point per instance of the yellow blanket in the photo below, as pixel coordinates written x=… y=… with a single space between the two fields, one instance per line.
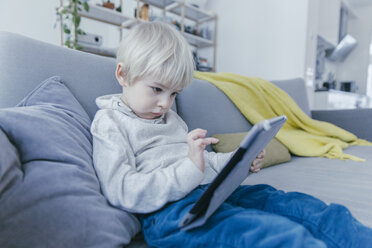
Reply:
x=258 y=99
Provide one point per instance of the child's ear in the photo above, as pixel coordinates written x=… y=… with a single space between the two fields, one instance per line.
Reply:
x=121 y=74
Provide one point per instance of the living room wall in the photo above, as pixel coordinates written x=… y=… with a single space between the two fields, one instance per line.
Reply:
x=261 y=38
x=252 y=52
x=38 y=20
x=34 y=19
x=355 y=66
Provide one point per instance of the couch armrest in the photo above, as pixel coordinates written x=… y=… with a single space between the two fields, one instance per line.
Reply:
x=357 y=121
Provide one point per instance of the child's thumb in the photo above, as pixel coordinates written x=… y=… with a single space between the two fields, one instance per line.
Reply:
x=214 y=140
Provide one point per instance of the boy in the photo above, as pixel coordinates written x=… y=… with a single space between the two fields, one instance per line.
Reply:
x=148 y=163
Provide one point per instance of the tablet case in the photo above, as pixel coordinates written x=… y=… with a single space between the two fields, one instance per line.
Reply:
x=234 y=173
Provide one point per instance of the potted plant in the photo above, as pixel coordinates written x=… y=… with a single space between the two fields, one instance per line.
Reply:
x=71 y=21
x=108 y=4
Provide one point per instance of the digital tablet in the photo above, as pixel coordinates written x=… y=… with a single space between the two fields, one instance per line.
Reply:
x=234 y=172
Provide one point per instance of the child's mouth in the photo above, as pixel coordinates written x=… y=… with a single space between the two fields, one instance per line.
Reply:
x=157 y=114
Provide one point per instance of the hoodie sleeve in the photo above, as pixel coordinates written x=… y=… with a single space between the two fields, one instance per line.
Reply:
x=123 y=185
x=216 y=160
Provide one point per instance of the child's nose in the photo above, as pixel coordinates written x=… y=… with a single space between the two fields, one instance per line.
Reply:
x=164 y=102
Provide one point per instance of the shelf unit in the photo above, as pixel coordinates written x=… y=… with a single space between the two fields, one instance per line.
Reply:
x=176 y=7
x=104 y=15
x=186 y=11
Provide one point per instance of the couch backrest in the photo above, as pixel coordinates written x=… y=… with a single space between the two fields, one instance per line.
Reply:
x=24 y=63
x=202 y=105
x=296 y=88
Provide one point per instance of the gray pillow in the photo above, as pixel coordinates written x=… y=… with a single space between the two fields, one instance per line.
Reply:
x=10 y=165
x=49 y=194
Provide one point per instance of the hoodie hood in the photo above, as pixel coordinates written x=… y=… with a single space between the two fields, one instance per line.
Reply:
x=113 y=102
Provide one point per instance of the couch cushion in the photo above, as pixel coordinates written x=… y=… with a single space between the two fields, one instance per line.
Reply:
x=98 y=71
x=276 y=152
x=202 y=105
x=10 y=164
x=40 y=60
x=345 y=182
x=50 y=195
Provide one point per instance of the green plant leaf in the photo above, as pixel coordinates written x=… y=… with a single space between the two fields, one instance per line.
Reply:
x=77 y=21
x=81 y=32
x=70 y=13
x=73 y=19
x=68 y=43
x=66 y=29
x=86 y=6
x=63 y=11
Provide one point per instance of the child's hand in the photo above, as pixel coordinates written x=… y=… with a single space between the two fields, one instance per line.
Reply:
x=258 y=162
x=197 y=143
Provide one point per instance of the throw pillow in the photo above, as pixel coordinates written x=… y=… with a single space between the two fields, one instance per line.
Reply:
x=10 y=164
x=276 y=152
x=49 y=194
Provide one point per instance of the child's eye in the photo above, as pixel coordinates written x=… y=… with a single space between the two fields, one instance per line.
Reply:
x=174 y=93
x=156 y=89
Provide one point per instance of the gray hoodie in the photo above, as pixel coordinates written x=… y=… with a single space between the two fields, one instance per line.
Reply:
x=143 y=164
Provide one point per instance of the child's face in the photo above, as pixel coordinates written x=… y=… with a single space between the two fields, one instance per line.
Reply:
x=148 y=99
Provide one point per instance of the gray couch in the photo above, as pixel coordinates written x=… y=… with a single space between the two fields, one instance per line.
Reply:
x=25 y=63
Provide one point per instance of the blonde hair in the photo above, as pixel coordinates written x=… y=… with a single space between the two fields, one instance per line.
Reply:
x=157 y=50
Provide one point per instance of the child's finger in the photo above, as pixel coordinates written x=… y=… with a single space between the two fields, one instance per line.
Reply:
x=200 y=134
x=197 y=130
x=261 y=154
x=197 y=133
x=210 y=140
x=205 y=142
x=257 y=164
x=253 y=169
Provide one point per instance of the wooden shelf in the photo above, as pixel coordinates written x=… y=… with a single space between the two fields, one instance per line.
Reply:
x=186 y=11
x=198 y=41
x=192 y=13
x=175 y=7
x=131 y=23
x=104 y=51
x=105 y=15
x=194 y=40
x=159 y=3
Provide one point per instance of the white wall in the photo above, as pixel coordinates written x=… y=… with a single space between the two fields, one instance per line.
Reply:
x=311 y=48
x=253 y=39
x=264 y=38
x=37 y=19
x=34 y=19
x=329 y=20
x=355 y=65
x=261 y=38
